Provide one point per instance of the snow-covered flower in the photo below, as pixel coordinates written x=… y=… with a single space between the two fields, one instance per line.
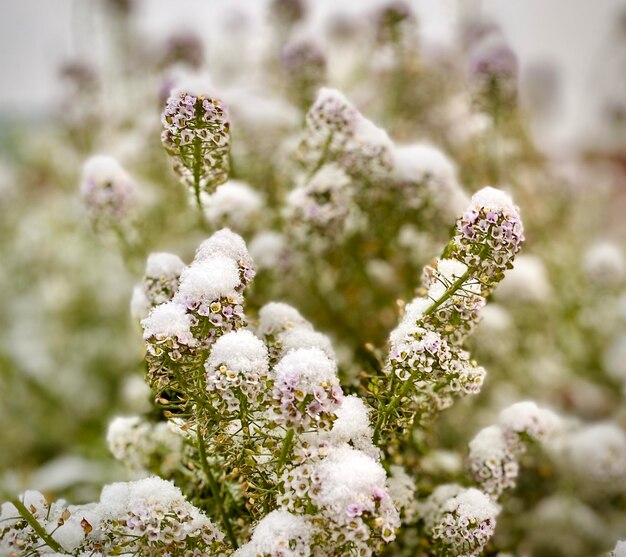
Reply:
x=237 y=365
x=306 y=389
x=347 y=487
x=140 y=444
x=427 y=175
x=337 y=131
x=108 y=192
x=159 y=283
x=234 y=204
x=279 y=534
x=604 y=263
x=460 y=521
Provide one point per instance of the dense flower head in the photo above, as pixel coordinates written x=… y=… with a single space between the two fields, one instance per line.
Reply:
x=438 y=372
x=108 y=192
x=159 y=284
x=205 y=283
x=304 y=63
x=347 y=489
x=146 y=517
x=494 y=452
x=154 y=518
x=352 y=426
x=238 y=363
x=323 y=202
x=459 y=521
x=234 y=204
x=528 y=419
x=427 y=176
x=493 y=461
x=595 y=455
x=197 y=136
x=138 y=443
x=488 y=236
x=306 y=389
x=279 y=534
x=283 y=328
x=168 y=328
x=337 y=131
x=226 y=243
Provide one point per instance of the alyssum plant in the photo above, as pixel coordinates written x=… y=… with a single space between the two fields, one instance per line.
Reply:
x=262 y=452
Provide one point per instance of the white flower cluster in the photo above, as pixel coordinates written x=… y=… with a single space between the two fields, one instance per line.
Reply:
x=338 y=132
x=108 y=192
x=146 y=517
x=233 y=204
x=346 y=490
x=459 y=521
x=207 y=304
x=196 y=135
x=306 y=389
x=425 y=167
x=594 y=455
x=283 y=329
x=159 y=284
x=238 y=366
x=425 y=355
x=495 y=450
x=324 y=201
x=279 y=534
x=140 y=444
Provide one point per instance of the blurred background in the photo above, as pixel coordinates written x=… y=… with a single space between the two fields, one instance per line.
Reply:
x=572 y=40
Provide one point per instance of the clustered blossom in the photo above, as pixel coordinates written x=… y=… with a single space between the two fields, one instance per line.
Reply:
x=279 y=534
x=427 y=176
x=595 y=455
x=323 y=202
x=494 y=452
x=207 y=304
x=108 y=192
x=237 y=365
x=437 y=371
x=426 y=364
x=488 y=236
x=402 y=491
x=141 y=445
x=234 y=204
x=147 y=517
x=197 y=136
x=283 y=328
x=338 y=132
x=347 y=490
x=459 y=521
x=228 y=244
x=159 y=284
x=306 y=389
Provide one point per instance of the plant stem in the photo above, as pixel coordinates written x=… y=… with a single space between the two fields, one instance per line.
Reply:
x=285 y=451
x=34 y=524
x=215 y=490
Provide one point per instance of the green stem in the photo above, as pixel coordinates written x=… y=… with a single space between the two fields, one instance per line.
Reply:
x=287 y=442
x=215 y=490
x=34 y=524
